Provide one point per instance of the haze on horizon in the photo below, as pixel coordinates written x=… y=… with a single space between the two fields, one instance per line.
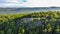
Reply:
x=29 y=3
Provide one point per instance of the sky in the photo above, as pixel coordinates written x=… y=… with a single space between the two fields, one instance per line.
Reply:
x=29 y=3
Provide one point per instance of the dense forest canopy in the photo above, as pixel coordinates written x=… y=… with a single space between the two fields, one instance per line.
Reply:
x=33 y=23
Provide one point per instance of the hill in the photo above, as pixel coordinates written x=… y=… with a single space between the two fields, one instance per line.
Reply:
x=34 y=23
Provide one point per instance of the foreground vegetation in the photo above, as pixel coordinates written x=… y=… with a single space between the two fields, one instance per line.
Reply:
x=49 y=23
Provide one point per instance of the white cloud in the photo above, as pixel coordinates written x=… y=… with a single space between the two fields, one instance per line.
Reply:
x=44 y=3
x=31 y=3
x=11 y=1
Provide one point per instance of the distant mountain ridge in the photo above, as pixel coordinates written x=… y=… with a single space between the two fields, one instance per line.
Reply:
x=27 y=9
x=33 y=8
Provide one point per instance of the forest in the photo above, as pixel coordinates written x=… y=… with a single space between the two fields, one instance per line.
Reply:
x=33 y=23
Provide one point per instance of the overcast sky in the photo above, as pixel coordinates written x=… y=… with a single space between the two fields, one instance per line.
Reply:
x=29 y=3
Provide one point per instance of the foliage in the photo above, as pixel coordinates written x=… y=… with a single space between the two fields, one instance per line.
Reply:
x=40 y=23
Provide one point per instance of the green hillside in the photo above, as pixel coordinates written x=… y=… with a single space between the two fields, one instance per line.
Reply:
x=34 y=23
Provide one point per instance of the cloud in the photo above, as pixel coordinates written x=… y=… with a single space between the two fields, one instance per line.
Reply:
x=15 y=1
x=44 y=3
x=11 y=1
x=30 y=3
